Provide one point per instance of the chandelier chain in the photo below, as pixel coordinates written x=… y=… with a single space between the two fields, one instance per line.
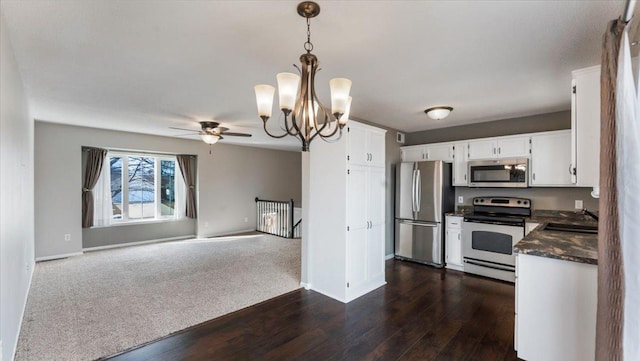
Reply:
x=308 y=46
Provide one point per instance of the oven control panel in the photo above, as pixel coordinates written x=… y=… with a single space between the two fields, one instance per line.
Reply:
x=502 y=202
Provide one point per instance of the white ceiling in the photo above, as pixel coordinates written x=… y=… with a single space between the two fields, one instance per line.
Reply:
x=143 y=66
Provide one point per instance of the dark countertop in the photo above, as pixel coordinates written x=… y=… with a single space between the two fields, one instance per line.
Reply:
x=568 y=246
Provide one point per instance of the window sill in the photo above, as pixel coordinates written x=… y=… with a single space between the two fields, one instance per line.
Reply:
x=141 y=222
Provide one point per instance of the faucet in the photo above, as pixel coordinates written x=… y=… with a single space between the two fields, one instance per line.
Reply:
x=589 y=213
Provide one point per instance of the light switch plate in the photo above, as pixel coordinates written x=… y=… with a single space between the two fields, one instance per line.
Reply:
x=579 y=204
x=460 y=199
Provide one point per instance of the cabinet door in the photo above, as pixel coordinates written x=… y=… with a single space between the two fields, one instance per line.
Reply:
x=586 y=125
x=460 y=164
x=375 y=148
x=454 y=247
x=413 y=154
x=356 y=259
x=357 y=145
x=375 y=252
x=512 y=147
x=442 y=152
x=357 y=198
x=482 y=149
x=551 y=159
x=375 y=195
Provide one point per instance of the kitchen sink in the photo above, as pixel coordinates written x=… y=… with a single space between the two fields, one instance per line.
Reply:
x=563 y=227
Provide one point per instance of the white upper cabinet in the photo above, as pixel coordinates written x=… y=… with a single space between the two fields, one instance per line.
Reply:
x=437 y=151
x=551 y=159
x=513 y=147
x=375 y=147
x=440 y=151
x=366 y=146
x=585 y=126
x=502 y=147
x=460 y=164
x=413 y=154
x=482 y=149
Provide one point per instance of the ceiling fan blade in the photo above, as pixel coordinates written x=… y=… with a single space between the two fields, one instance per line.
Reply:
x=237 y=134
x=188 y=130
x=221 y=129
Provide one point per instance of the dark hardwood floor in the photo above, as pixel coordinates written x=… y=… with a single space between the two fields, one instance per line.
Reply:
x=421 y=314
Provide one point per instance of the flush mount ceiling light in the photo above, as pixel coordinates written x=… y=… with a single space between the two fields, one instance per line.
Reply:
x=438 y=113
x=304 y=116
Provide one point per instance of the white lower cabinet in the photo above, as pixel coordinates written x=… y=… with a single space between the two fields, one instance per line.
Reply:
x=555 y=309
x=453 y=245
x=345 y=255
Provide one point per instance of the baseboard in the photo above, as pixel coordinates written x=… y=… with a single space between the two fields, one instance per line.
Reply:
x=306 y=286
x=58 y=256
x=389 y=256
x=129 y=244
x=24 y=308
x=219 y=234
x=455 y=267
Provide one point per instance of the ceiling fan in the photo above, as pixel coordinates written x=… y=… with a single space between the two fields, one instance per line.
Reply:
x=212 y=132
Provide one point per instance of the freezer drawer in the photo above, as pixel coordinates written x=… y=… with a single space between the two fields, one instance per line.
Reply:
x=419 y=242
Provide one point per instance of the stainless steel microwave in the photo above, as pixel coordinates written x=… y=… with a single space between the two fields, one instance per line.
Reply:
x=499 y=173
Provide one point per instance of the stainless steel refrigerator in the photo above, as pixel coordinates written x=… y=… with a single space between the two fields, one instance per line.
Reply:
x=423 y=195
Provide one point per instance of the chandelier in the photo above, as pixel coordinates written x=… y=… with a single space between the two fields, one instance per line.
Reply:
x=304 y=116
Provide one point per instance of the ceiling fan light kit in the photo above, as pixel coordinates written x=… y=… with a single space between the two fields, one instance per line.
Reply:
x=304 y=116
x=437 y=113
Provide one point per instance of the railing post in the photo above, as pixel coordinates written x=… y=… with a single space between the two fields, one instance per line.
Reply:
x=291 y=218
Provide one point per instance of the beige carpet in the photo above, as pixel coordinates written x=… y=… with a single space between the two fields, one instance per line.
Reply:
x=95 y=305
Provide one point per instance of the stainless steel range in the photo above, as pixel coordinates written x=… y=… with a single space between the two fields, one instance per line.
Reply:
x=489 y=234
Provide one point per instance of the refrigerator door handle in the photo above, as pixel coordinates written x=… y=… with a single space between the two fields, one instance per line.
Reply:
x=418 y=191
x=413 y=191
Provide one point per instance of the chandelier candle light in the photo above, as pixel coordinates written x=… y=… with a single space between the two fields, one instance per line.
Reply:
x=304 y=116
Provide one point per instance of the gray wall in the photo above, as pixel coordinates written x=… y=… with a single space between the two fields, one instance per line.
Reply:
x=531 y=124
x=392 y=157
x=228 y=182
x=16 y=191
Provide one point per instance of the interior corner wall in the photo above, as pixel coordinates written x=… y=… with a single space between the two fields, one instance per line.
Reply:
x=16 y=196
x=496 y=128
x=227 y=183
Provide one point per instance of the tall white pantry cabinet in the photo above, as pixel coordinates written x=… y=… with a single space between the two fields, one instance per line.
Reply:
x=346 y=247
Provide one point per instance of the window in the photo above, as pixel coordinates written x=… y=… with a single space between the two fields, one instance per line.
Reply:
x=142 y=187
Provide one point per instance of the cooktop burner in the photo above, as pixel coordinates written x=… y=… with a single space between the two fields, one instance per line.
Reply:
x=500 y=210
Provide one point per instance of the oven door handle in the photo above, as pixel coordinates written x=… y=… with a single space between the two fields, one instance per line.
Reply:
x=489 y=265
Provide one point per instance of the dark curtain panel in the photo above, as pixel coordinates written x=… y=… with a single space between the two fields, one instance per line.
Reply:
x=188 y=170
x=92 y=168
x=609 y=326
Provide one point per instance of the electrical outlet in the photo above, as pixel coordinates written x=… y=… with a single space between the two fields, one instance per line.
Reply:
x=246 y=219
x=460 y=199
x=579 y=204
x=67 y=237
x=28 y=266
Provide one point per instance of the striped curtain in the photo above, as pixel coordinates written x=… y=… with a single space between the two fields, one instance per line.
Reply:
x=610 y=271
